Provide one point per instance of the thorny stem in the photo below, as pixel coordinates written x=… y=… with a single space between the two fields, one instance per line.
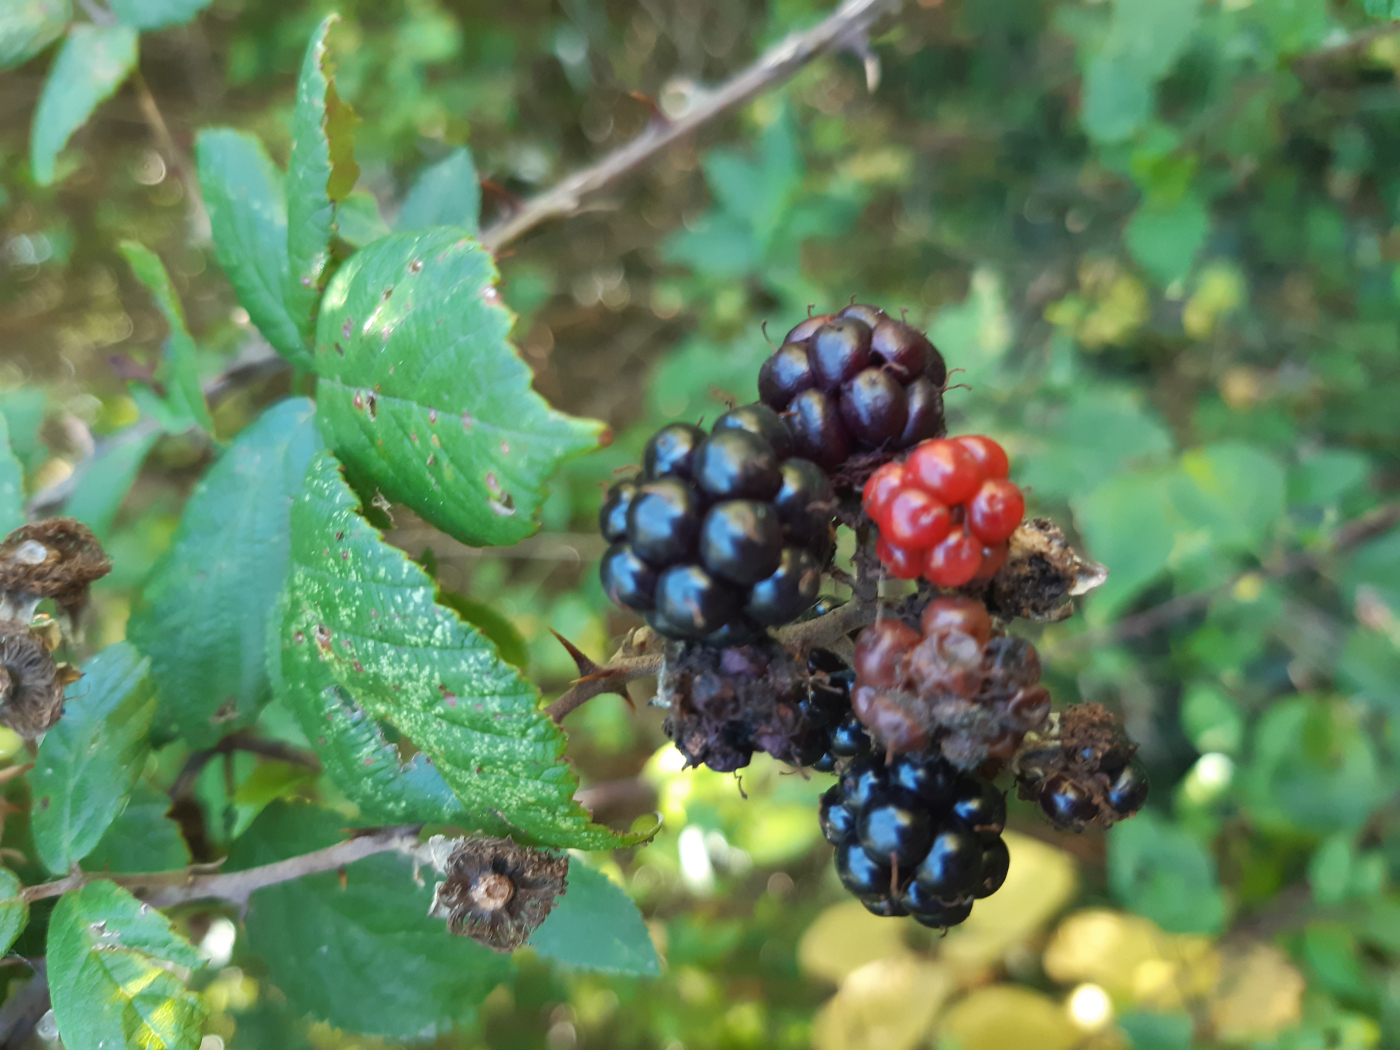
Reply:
x=845 y=28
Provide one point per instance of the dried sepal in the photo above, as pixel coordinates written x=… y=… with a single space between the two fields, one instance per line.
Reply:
x=495 y=892
x=31 y=684
x=56 y=558
x=1041 y=574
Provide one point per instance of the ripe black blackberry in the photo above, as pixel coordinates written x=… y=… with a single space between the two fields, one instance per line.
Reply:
x=857 y=385
x=1081 y=769
x=914 y=836
x=722 y=535
x=832 y=731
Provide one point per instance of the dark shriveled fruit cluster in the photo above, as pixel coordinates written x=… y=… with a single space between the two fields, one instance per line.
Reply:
x=1081 y=769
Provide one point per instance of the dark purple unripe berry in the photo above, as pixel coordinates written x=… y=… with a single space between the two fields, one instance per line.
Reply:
x=692 y=603
x=806 y=504
x=859 y=873
x=874 y=408
x=1066 y=802
x=735 y=464
x=741 y=540
x=895 y=831
x=870 y=315
x=817 y=430
x=839 y=350
x=953 y=865
x=612 y=518
x=980 y=806
x=996 y=862
x=903 y=348
x=804 y=330
x=671 y=450
x=925 y=413
x=1128 y=791
x=760 y=421
x=627 y=580
x=837 y=822
x=785 y=375
x=663 y=521
x=788 y=592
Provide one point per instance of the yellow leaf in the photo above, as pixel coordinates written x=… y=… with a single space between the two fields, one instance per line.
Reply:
x=887 y=1004
x=846 y=937
x=1260 y=994
x=1007 y=1016
x=1131 y=958
x=1042 y=880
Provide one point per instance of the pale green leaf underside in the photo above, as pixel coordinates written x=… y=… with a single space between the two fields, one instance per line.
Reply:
x=143 y=838
x=11 y=484
x=89 y=762
x=109 y=960
x=310 y=212
x=248 y=214
x=421 y=391
x=595 y=926
x=204 y=615
x=104 y=483
x=14 y=910
x=364 y=956
x=92 y=63
x=156 y=14
x=186 y=396
x=446 y=194
x=28 y=26
x=367 y=613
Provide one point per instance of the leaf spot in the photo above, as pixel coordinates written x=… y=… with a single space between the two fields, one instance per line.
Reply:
x=344 y=555
x=505 y=448
x=347 y=329
x=432 y=415
x=430 y=459
x=323 y=638
x=340 y=349
x=299 y=637
x=358 y=666
x=388 y=292
x=340 y=534
x=416 y=266
x=372 y=405
x=466 y=421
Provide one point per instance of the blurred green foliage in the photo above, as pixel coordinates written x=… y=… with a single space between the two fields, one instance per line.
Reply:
x=1162 y=242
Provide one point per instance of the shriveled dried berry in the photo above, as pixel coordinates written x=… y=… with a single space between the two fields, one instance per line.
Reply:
x=498 y=893
x=31 y=685
x=58 y=558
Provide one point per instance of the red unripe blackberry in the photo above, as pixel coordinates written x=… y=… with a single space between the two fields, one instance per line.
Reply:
x=898 y=728
x=995 y=511
x=903 y=563
x=991 y=458
x=880 y=490
x=954 y=561
x=881 y=651
x=993 y=558
x=916 y=519
x=945 y=469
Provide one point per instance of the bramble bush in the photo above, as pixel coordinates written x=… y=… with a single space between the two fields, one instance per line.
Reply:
x=294 y=608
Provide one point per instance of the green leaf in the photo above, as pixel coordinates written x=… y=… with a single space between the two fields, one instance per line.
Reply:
x=1130 y=525
x=1376 y=566
x=1159 y=871
x=14 y=909
x=104 y=483
x=248 y=214
x=595 y=926
x=1382 y=8
x=1151 y=1031
x=1370 y=667
x=29 y=26
x=110 y=974
x=205 y=613
x=1164 y=239
x=1233 y=491
x=495 y=625
x=23 y=409
x=421 y=391
x=1101 y=431
x=89 y=762
x=180 y=367
x=364 y=957
x=92 y=63
x=1143 y=43
x=11 y=484
x=447 y=193
x=357 y=220
x=1325 y=478
x=142 y=839
x=321 y=171
x=1117 y=98
x=156 y=14
x=367 y=613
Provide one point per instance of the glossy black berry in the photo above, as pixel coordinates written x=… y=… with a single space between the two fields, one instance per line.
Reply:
x=693 y=603
x=859 y=873
x=663 y=521
x=902 y=348
x=839 y=350
x=925 y=413
x=874 y=408
x=1066 y=802
x=863 y=781
x=760 y=421
x=897 y=830
x=1128 y=791
x=980 y=806
x=735 y=464
x=926 y=775
x=627 y=580
x=806 y=505
x=885 y=907
x=788 y=591
x=996 y=862
x=865 y=313
x=817 y=430
x=612 y=518
x=919 y=901
x=949 y=915
x=953 y=865
x=824 y=764
x=785 y=375
x=849 y=738
x=671 y=451
x=837 y=822
x=741 y=541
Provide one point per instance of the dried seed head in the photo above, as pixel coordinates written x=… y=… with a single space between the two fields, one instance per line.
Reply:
x=1041 y=574
x=498 y=893
x=57 y=558
x=31 y=685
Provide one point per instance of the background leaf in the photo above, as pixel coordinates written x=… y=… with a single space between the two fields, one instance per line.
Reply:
x=28 y=26
x=109 y=971
x=92 y=64
x=1164 y=239
x=14 y=910
x=157 y=14
x=248 y=213
x=180 y=370
x=595 y=926
x=368 y=613
x=447 y=193
x=1158 y=870
x=142 y=839
x=89 y=762
x=11 y=484
x=421 y=391
x=364 y=956
x=105 y=481
x=357 y=220
x=204 y=614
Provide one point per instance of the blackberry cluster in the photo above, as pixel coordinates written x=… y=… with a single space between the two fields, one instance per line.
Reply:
x=949 y=684
x=855 y=382
x=833 y=731
x=1081 y=770
x=914 y=836
x=722 y=535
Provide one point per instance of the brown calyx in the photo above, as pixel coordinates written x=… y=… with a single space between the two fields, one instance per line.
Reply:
x=57 y=558
x=31 y=689
x=498 y=893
